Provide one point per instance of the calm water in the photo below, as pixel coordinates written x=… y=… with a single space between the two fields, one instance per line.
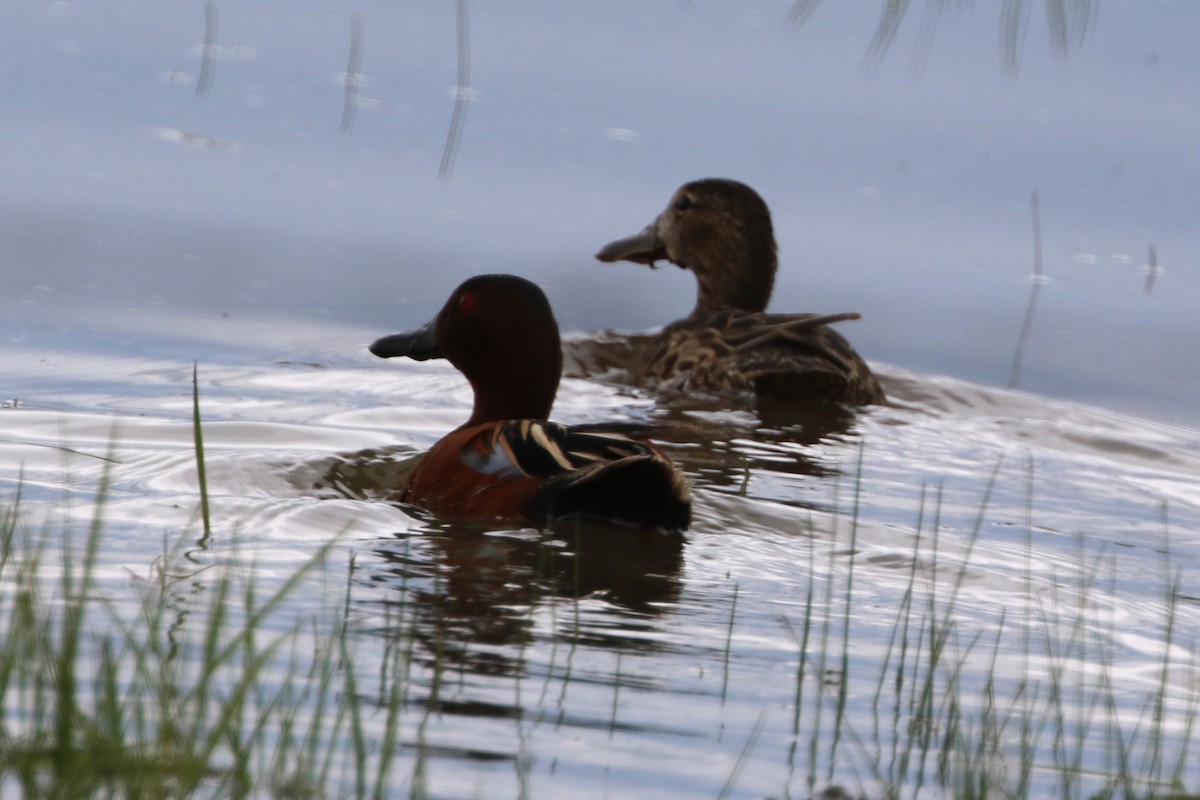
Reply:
x=268 y=248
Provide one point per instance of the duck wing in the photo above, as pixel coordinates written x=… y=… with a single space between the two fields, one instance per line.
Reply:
x=793 y=357
x=598 y=470
x=644 y=491
x=536 y=448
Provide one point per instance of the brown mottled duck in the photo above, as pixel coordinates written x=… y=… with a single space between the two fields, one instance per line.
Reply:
x=721 y=231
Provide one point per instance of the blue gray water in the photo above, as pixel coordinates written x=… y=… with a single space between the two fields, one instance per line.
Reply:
x=145 y=228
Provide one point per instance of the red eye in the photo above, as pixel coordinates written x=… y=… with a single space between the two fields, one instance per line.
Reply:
x=466 y=303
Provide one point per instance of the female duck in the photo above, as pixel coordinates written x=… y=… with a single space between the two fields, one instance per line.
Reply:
x=721 y=231
x=507 y=460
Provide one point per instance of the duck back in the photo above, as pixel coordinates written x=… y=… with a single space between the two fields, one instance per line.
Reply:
x=791 y=357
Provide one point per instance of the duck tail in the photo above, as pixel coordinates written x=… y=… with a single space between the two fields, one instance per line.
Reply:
x=643 y=491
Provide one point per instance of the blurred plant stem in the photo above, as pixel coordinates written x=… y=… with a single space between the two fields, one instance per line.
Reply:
x=1068 y=23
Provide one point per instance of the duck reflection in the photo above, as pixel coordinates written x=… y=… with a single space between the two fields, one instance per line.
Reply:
x=363 y=475
x=468 y=593
x=720 y=439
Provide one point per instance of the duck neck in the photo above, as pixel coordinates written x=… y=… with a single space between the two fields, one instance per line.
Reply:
x=508 y=387
x=515 y=398
x=742 y=280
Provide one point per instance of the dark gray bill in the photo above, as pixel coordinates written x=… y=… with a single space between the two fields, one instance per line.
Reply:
x=419 y=345
x=641 y=248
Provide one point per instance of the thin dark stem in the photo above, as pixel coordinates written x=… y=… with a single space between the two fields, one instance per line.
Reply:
x=729 y=643
x=800 y=11
x=1151 y=269
x=885 y=33
x=462 y=91
x=201 y=472
x=353 y=76
x=1068 y=23
x=210 y=47
x=1027 y=324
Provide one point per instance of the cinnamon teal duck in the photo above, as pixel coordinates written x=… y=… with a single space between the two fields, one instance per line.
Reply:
x=507 y=460
x=721 y=230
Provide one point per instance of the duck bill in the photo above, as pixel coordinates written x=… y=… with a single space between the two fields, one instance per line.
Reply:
x=641 y=248
x=419 y=345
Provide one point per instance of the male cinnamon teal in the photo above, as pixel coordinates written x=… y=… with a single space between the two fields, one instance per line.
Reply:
x=721 y=230
x=507 y=460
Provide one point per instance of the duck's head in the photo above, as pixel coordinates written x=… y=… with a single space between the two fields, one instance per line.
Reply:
x=499 y=331
x=720 y=230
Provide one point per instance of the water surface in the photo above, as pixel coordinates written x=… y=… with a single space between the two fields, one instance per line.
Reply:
x=148 y=230
x=589 y=661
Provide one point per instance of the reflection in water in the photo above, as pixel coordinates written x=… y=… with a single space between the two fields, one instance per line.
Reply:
x=726 y=446
x=461 y=608
x=482 y=584
x=1068 y=24
x=722 y=439
x=376 y=473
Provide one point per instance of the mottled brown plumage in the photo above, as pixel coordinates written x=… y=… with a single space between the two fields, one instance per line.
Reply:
x=721 y=231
